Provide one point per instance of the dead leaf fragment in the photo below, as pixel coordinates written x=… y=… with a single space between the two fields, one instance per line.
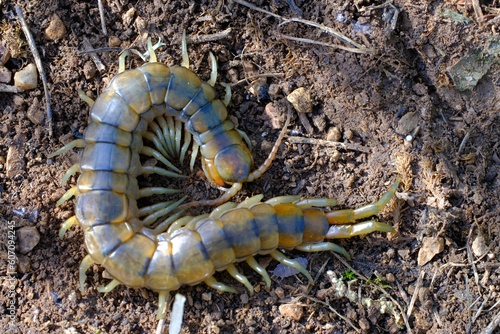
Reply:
x=431 y=246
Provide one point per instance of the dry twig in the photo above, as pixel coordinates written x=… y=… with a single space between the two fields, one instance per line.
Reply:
x=101 y=13
x=356 y=47
x=97 y=61
x=210 y=37
x=39 y=66
x=313 y=141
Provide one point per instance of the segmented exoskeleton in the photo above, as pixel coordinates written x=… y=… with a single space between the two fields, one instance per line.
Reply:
x=186 y=250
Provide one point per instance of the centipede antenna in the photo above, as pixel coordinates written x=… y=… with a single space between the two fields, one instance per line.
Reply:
x=185 y=56
x=213 y=73
x=266 y=164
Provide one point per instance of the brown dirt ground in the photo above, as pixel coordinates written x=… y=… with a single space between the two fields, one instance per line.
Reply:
x=448 y=193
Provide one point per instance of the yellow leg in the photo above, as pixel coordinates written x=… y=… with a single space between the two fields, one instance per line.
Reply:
x=109 y=287
x=350 y=215
x=86 y=263
x=185 y=56
x=280 y=257
x=69 y=223
x=67 y=195
x=79 y=143
x=231 y=269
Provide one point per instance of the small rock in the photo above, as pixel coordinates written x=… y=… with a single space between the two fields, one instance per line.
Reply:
x=280 y=293
x=207 y=296
x=276 y=118
x=128 y=17
x=35 y=113
x=23 y=264
x=27 y=238
x=292 y=311
x=5 y=74
x=27 y=78
x=114 y=41
x=479 y=246
x=89 y=70
x=334 y=134
x=364 y=324
x=407 y=123
x=274 y=91
x=56 y=29
x=301 y=100
x=431 y=246
x=15 y=162
x=4 y=55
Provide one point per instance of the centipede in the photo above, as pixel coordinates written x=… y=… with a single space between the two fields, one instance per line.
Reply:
x=159 y=247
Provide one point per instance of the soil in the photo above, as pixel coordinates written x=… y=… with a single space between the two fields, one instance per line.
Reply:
x=441 y=268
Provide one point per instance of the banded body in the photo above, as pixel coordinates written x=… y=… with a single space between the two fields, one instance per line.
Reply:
x=185 y=250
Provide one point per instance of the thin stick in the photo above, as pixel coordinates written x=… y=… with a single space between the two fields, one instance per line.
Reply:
x=403 y=314
x=310 y=41
x=264 y=75
x=38 y=63
x=361 y=48
x=210 y=37
x=97 y=61
x=8 y=88
x=336 y=144
x=101 y=13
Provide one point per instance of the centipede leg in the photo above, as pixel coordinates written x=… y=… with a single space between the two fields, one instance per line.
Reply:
x=213 y=72
x=280 y=257
x=84 y=266
x=260 y=270
x=322 y=247
x=348 y=231
x=231 y=269
x=69 y=223
x=69 y=173
x=213 y=283
x=350 y=215
x=85 y=98
x=109 y=287
x=162 y=304
x=185 y=56
x=67 y=195
x=77 y=143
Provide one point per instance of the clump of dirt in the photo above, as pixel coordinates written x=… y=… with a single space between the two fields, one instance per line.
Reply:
x=392 y=110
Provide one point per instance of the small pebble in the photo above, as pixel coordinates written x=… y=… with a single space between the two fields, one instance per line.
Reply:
x=27 y=78
x=4 y=55
x=15 y=163
x=334 y=134
x=348 y=134
x=5 y=74
x=292 y=311
x=364 y=324
x=114 y=41
x=408 y=123
x=89 y=70
x=35 y=113
x=207 y=296
x=23 y=264
x=301 y=100
x=56 y=29
x=479 y=247
x=275 y=117
x=27 y=238
x=280 y=293
x=431 y=246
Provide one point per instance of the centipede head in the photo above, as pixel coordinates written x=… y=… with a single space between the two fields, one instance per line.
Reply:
x=232 y=164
